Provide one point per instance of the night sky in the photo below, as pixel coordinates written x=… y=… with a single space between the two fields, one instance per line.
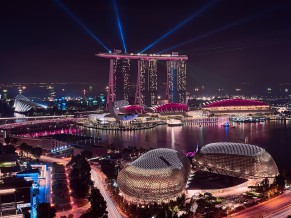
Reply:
x=236 y=40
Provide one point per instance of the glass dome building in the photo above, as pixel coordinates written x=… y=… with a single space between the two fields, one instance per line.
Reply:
x=159 y=175
x=238 y=160
x=23 y=104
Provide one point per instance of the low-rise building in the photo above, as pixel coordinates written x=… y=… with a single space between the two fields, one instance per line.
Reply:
x=46 y=143
x=15 y=197
x=8 y=165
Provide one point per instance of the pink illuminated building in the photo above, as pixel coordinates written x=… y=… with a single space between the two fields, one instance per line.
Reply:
x=146 y=86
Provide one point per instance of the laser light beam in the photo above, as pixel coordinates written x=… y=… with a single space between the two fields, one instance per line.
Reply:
x=119 y=25
x=196 y=14
x=228 y=26
x=87 y=30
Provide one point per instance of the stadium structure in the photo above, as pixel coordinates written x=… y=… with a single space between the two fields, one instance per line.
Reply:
x=237 y=105
x=157 y=176
x=239 y=160
x=23 y=104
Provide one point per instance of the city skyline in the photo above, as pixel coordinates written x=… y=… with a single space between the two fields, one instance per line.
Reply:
x=226 y=42
x=123 y=108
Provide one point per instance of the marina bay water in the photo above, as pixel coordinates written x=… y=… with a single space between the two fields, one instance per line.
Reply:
x=273 y=136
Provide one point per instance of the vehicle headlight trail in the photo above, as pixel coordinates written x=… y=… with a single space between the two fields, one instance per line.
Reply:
x=63 y=7
x=119 y=24
x=196 y=14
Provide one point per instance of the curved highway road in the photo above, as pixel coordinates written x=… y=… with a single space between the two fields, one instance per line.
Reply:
x=278 y=207
x=113 y=212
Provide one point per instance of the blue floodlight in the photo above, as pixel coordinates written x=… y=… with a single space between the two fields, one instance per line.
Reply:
x=196 y=14
x=81 y=24
x=119 y=25
x=228 y=26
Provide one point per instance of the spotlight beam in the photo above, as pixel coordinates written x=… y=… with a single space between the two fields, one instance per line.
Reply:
x=228 y=26
x=89 y=32
x=119 y=25
x=223 y=49
x=196 y=14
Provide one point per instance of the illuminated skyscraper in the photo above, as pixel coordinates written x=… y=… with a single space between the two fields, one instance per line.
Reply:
x=146 y=87
x=176 y=80
x=146 y=92
x=4 y=94
x=181 y=80
x=121 y=68
x=52 y=92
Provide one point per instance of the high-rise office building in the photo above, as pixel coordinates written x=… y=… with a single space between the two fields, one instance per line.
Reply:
x=147 y=82
x=52 y=92
x=121 y=68
x=4 y=94
x=146 y=87
x=176 y=81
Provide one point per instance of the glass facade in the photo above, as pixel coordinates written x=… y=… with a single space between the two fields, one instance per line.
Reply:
x=121 y=68
x=237 y=159
x=177 y=81
x=159 y=175
x=148 y=81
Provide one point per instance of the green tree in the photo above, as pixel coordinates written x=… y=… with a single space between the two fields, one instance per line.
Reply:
x=265 y=184
x=14 y=141
x=108 y=168
x=36 y=152
x=173 y=207
x=21 y=153
x=7 y=140
x=25 y=148
x=8 y=149
x=98 y=204
x=80 y=177
x=86 y=154
x=80 y=188
x=75 y=173
x=84 y=167
x=1 y=148
x=45 y=210
x=280 y=182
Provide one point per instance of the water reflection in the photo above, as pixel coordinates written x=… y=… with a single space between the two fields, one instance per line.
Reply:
x=72 y=131
x=226 y=133
x=274 y=136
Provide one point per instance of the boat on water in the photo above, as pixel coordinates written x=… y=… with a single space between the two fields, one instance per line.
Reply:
x=175 y=122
